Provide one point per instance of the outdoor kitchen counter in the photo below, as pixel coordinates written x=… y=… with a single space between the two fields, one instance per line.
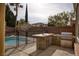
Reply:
x=64 y=40
x=43 y=40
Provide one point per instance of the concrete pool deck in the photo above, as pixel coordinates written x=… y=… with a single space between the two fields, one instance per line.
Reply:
x=30 y=50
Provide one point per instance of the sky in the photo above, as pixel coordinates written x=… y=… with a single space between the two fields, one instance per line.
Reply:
x=41 y=11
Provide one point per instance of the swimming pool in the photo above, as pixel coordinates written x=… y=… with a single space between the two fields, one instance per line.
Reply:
x=11 y=40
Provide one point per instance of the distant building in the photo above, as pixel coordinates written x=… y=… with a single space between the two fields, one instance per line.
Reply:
x=39 y=25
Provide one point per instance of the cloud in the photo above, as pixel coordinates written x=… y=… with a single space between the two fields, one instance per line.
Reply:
x=21 y=11
x=43 y=11
x=33 y=19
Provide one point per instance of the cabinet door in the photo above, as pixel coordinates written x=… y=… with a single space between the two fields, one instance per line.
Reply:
x=44 y=43
x=41 y=43
x=56 y=41
x=66 y=43
x=49 y=41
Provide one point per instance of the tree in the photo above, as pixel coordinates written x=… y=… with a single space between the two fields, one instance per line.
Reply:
x=26 y=20
x=22 y=21
x=72 y=15
x=26 y=14
x=10 y=18
x=51 y=21
x=60 y=19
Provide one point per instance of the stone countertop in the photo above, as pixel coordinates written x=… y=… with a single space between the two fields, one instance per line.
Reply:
x=42 y=35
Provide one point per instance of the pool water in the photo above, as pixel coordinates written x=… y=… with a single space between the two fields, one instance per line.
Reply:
x=11 y=41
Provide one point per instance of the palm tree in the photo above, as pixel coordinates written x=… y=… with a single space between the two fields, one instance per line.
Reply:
x=17 y=5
